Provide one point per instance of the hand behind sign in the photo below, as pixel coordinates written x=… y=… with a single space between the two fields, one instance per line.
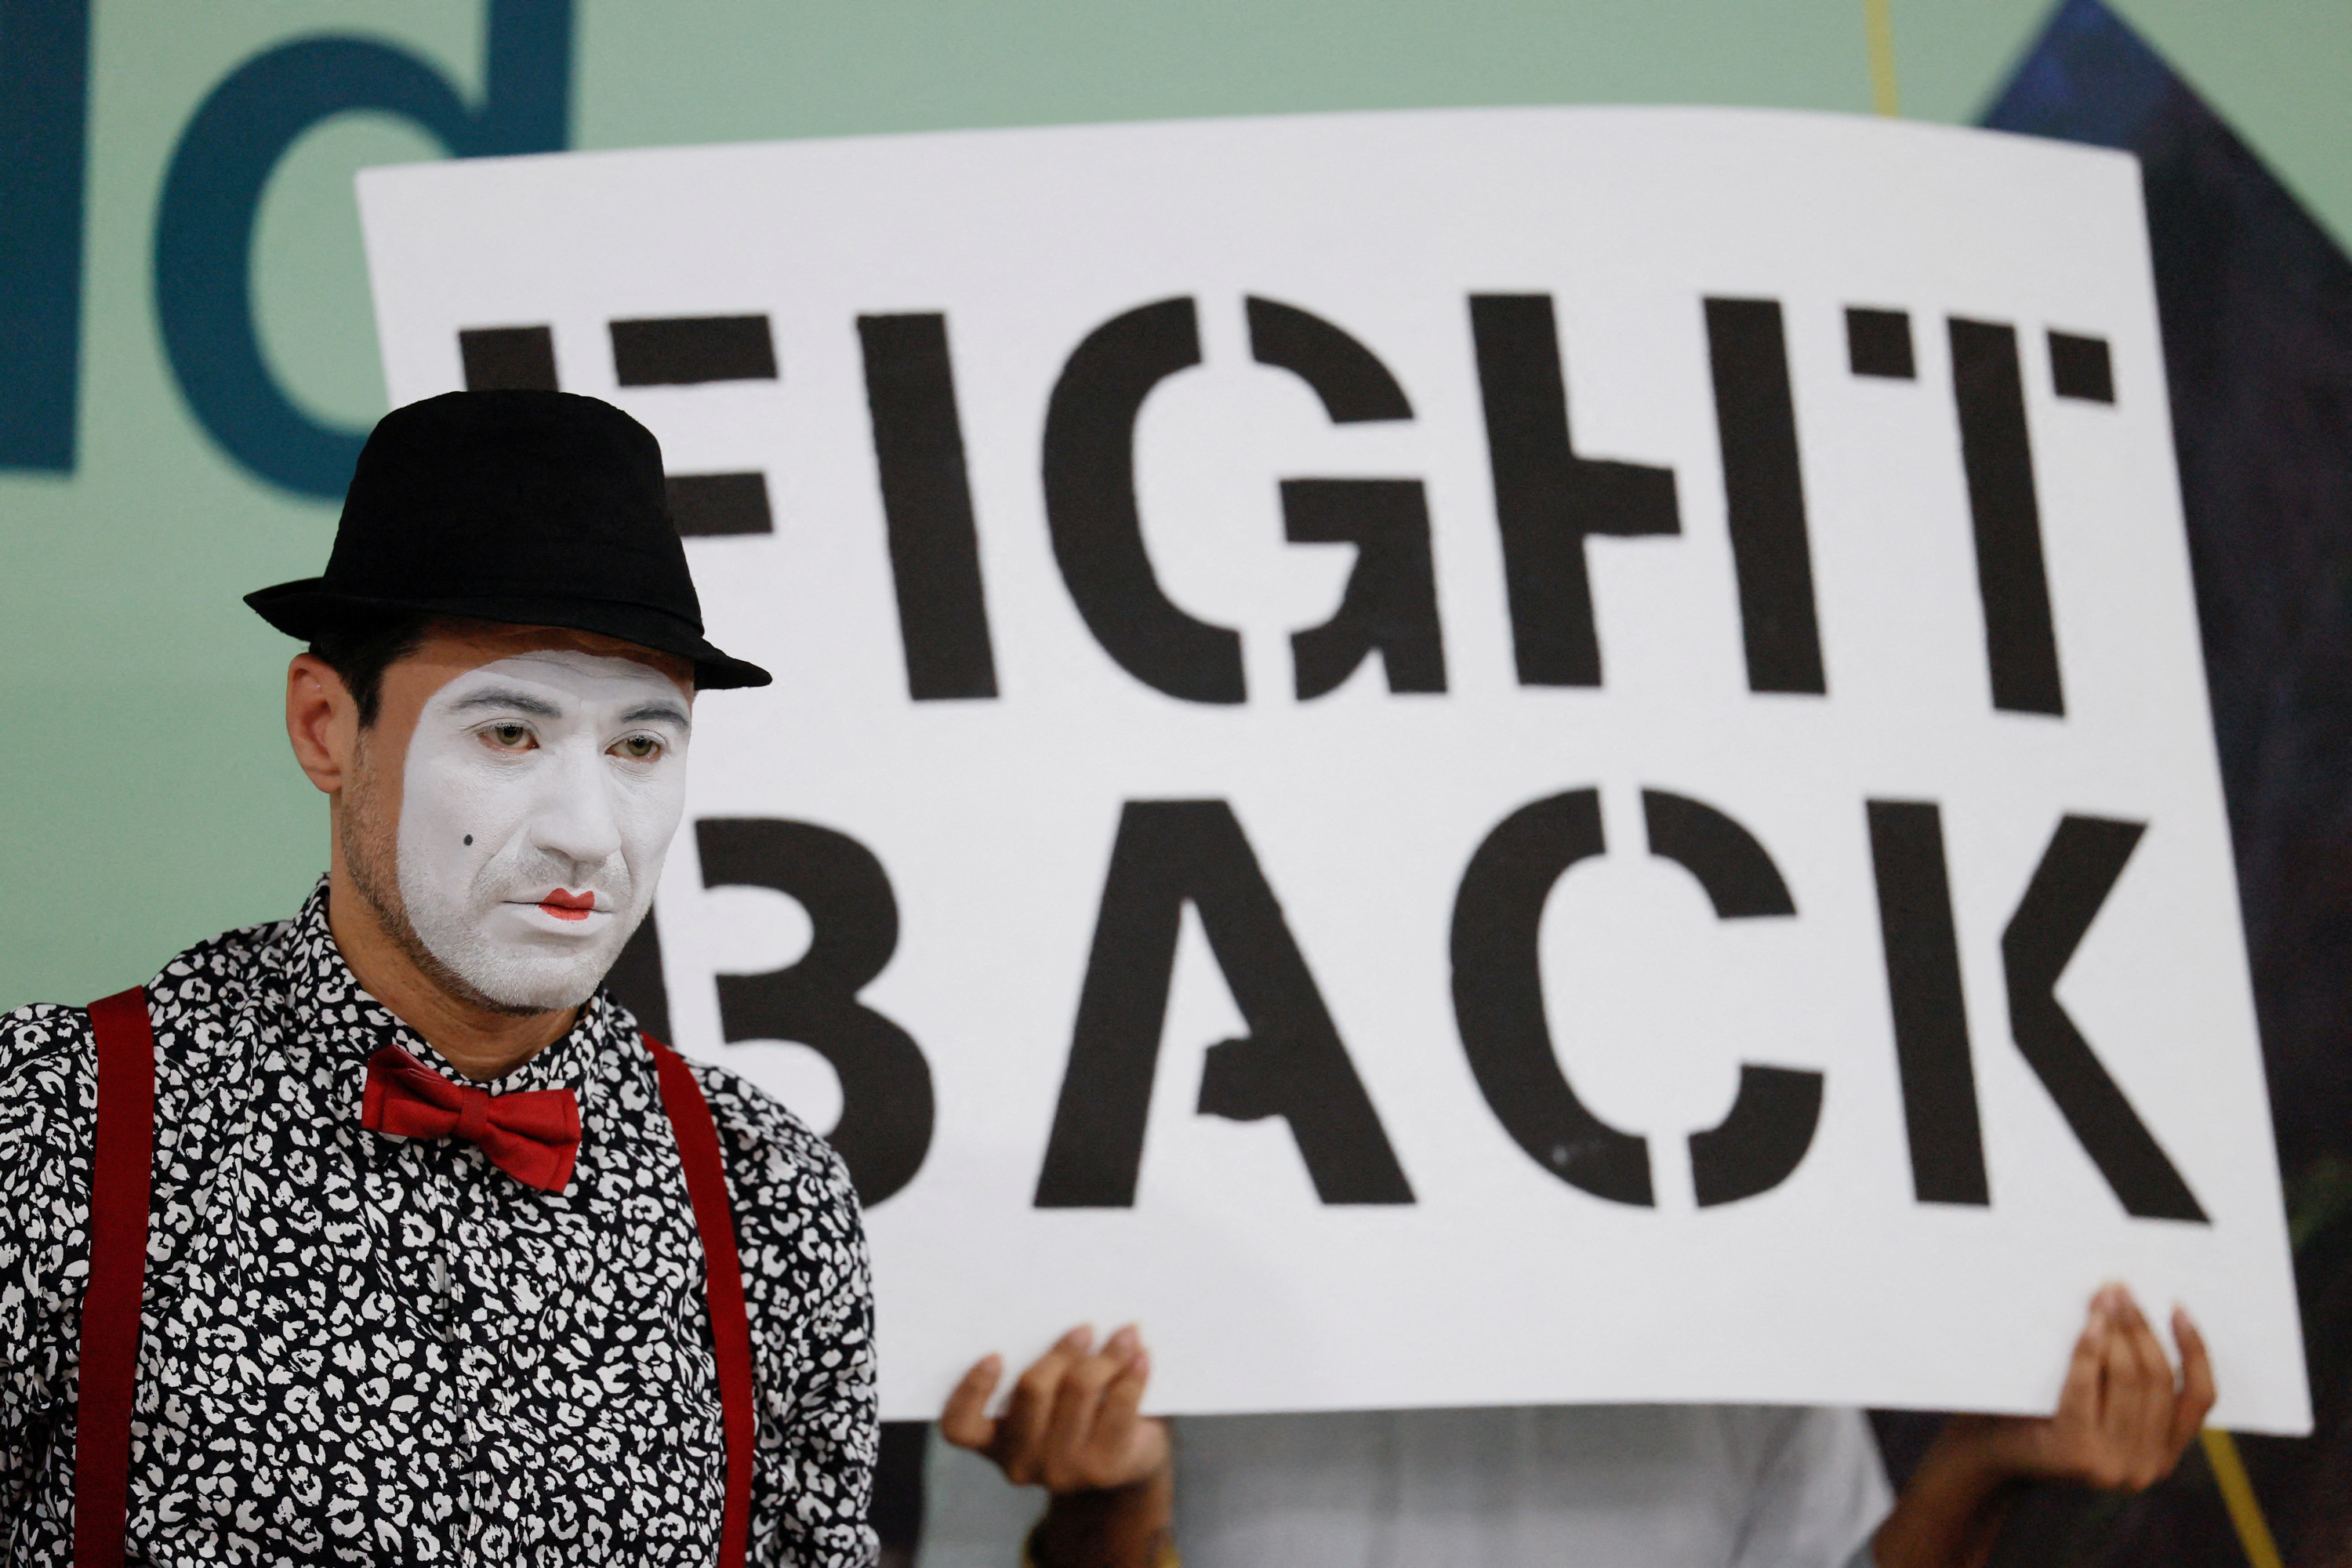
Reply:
x=2122 y=1422
x=1072 y=1424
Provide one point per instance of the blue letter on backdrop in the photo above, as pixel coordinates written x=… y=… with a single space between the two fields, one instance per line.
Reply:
x=44 y=110
x=204 y=229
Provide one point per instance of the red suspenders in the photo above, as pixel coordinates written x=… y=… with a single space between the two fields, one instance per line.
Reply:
x=121 y=1166
x=722 y=1281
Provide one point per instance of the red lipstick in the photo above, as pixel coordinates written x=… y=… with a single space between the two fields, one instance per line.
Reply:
x=566 y=906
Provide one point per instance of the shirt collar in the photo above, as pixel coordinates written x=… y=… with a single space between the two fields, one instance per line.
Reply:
x=336 y=1018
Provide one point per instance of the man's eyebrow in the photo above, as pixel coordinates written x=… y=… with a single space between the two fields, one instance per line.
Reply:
x=647 y=712
x=512 y=700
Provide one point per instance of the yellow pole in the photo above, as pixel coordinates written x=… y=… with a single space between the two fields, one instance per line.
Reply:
x=2237 y=1493
x=1881 y=29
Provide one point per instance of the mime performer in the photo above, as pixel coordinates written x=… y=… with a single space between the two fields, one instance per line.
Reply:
x=382 y=1234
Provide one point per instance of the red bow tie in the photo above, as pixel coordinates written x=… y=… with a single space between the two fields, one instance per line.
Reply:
x=532 y=1136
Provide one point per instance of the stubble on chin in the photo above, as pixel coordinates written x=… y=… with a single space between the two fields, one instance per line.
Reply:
x=371 y=844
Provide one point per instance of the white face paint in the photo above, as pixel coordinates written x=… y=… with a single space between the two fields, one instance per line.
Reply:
x=539 y=797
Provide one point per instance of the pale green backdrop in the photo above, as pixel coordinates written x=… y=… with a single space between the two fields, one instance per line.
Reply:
x=146 y=795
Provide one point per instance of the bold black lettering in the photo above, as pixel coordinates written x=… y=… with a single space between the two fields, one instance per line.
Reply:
x=2079 y=868
x=1090 y=510
x=1931 y=1017
x=1548 y=500
x=1764 y=493
x=687 y=351
x=1354 y=386
x=702 y=505
x=1498 y=999
x=1878 y=344
x=886 y=1086
x=1735 y=871
x=2021 y=644
x=927 y=507
x=1390 y=602
x=507 y=359
x=1291 y=1064
x=1764 y=1138
x=635 y=979
x=690 y=350
x=2079 y=368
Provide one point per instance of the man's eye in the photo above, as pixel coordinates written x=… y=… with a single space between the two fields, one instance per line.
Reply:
x=509 y=737
x=638 y=748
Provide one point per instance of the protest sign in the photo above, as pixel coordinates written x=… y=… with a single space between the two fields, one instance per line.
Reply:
x=1460 y=758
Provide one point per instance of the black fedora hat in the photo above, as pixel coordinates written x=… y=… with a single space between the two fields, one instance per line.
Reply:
x=542 y=508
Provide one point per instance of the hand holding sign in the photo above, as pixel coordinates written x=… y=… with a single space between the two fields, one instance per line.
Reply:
x=1072 y=1425
x=2122 y=1422
x=2124 y=1417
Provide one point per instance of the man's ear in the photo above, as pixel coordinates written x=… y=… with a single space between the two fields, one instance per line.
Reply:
x=322 y=720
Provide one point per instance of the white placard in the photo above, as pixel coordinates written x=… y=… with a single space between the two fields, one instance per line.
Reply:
x=1742 y=910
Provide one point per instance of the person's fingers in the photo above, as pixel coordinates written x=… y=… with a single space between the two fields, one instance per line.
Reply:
x=2107 y=1443
x=2197 y=1391
x=1072 y=1423
x=1122 y=1403
x=2148 y=1423
x=965 y=1420
x=2078 y=1399
x=1119 y=1354
x=2118 y=1368
x=2078 y=1437
x=1020 y=1431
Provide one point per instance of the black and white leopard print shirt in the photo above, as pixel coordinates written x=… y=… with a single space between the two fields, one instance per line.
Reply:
x=371 y=1350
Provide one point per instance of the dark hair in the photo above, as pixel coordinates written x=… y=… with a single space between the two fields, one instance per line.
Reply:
x=360 y=650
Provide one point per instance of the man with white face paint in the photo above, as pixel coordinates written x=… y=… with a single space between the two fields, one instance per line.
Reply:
x=382 y=1234
x=539 y=797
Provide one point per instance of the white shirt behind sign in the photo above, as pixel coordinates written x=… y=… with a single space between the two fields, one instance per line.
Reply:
x=1656 y=1486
